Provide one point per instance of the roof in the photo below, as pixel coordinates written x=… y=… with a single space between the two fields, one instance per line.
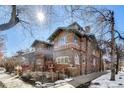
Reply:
x=77 y=29
x=39 y=41
x=90 y=36
x=74 y=27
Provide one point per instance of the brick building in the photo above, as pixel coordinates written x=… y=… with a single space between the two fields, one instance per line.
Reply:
x=75 y=49
x=71 y=50
x=40 y=58
x=43 y=55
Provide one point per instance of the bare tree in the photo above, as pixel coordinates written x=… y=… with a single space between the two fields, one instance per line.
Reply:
x=104 y=23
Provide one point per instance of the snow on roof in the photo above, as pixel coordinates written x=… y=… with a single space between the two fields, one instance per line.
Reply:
x=40 y=41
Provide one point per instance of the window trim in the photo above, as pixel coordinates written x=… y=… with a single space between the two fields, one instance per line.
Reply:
x=62 y=60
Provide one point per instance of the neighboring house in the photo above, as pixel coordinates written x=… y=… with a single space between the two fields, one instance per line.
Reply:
x=43 y=55
x=40 y=58
x=25 y=59
x=76 y=49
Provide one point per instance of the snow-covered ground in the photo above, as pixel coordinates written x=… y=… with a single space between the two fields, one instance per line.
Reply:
x=57 y=84
x=104 y=81
x=63 y=84
x=13 y=81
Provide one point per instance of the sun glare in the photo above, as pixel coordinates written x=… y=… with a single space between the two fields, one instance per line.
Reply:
x=40 y=16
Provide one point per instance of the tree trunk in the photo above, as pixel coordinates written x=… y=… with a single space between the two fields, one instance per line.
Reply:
x=112 y=50
x=101 y=62
x=117 y=66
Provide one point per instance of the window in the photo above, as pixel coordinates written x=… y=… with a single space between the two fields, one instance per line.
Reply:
x=94 y=61
x=76 y=58
x=38 y=62
x=66 y=60
x=62 y=60
x=59 y=61
x=94 y=52
x=62 y=41
x=75 y=39
x=68 y=36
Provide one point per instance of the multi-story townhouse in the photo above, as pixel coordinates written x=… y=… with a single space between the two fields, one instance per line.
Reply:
x=75 y=49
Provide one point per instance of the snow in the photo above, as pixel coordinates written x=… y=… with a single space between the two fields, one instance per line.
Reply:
x=104 y=81
x=63 y=81
x=2 y=70
x=13 y=81
x=57 y=84
x=101 y=82
x=62 y=85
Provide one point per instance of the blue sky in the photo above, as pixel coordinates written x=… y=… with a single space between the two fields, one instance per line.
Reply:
x=18 y=39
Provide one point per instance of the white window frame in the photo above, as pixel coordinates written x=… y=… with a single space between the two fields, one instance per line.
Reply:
x=94 y=61
x=77 y=59
x=62 y=58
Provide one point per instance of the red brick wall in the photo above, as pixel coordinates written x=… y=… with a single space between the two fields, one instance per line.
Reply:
x=90 y=67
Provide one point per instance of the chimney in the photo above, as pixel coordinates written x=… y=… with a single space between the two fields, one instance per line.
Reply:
x=87 y=29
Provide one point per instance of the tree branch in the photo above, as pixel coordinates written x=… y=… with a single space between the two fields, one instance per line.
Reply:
x=12 y=22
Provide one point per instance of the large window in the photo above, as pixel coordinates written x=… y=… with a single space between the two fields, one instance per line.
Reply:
x=94 y=52
x=76 y=58
x=62 y=60
x=75 y=39
x=94 y=61
x=62 y=41
x=39 y=61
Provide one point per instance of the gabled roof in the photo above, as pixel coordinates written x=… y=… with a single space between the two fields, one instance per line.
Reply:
x=42 y=42
x=74 y=27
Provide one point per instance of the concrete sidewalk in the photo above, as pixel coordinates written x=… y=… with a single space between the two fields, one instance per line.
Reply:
x=79 y=80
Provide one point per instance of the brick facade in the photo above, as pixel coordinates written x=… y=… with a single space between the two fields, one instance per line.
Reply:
x=85 y=49
x=70 y=51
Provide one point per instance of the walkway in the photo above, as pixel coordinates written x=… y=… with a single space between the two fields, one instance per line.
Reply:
x=77 y=81
x=13 y=81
